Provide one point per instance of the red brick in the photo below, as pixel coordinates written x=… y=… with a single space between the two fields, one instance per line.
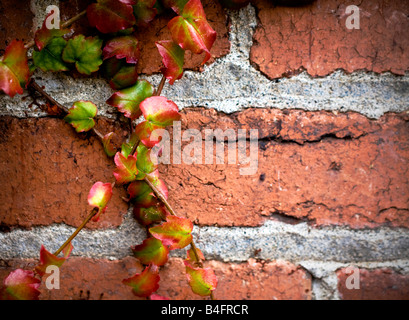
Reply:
x=379 y=284
x=315 y=38
x=84 y=278
x=47 y=171
x=320 y=167
x=16 y=22
x=341 y=169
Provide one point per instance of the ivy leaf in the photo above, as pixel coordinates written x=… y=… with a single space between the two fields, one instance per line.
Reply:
x=119 y=73
x=202 y=280
x=158 y=297
x=191 y=256
x=151 y=251
x=191 y=31
x=142 y=194
x=81 y=116
x=84 y=52
x=145 y=283
x=48 y=259
x=20 y=285
x=153 y=214
x=144 y=12
x=128 y=100
x=50 y=57
x=175 y=232
x=147 y=134
x=99 y=196
x=126 y=170
x=110 y=16
x=44 y=35
x=173 y=58
x=147 y=161
x=109 y=149
x=122 y=47
x=160 y=111
x=176 y=5
x=14 y=71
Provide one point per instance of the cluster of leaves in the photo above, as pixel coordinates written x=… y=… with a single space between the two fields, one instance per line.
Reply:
x=117 y=53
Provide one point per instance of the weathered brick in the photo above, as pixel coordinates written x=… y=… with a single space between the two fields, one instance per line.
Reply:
x=47 y=171
x=379 y=284
x=325 y=168
x=84 y=278
x=315 y=38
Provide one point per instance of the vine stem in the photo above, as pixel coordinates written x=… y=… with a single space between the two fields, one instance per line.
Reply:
x=83 y=224
x=162 y=198
x=64 y=25
x=160 y=87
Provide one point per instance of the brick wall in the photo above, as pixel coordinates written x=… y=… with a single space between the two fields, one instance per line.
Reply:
x=332 y=186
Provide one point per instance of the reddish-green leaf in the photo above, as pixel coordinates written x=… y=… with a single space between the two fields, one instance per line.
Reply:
x=202 y=280
x=126 y=170
x=129 y=145
x=191 y=31
x=128 y=100
x=86 y=53
x=99 y=196
x=175 y=232
x=20 y=285
x=122 y=47
x=81 y=115
x=144 y=12
x=151 y=251
x=147 y=160
x=44 y=35
x=176 y=5
x=142 y=194
x=147 y=134
x=173 y=58
x=160 y=111
x=109 y=148
x=14 y=71
x=145 y=283
x=48 y=259
x=119 y=73
x=110 y=16
x=153 y=214
x=192 y=258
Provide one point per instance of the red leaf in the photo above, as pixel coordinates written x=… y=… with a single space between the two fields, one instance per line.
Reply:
x=126 y=170
x=176 y=5
x=145 y=283
x=14 y=71
x=151 y=251
x=99 y=196
x=110 y=16
x=175 y=233
x=122 y=47
x=191 y=31
x=173 y=58
x=20 y=285
x=48 y=259
x=158 y=297
x=44 y=35
x=202 y=280
x=160 y=111
x=147 y=134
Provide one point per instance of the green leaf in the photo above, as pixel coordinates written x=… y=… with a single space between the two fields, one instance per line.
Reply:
x=147 y=161
x=127 y=100
x=175 y=233
x=86 y=53
x=50 y=57
x=119 y=73
x=81 y=116
x=151 y=251
x=202 y=280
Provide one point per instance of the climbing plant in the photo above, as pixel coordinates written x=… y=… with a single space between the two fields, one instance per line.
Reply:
x=115 y=53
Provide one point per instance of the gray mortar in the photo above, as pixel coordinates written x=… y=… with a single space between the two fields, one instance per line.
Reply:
x=232 y=84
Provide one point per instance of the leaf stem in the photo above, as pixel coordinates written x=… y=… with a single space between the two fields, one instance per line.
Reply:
x=64 y=25
x=160 y=87
x=83 y=224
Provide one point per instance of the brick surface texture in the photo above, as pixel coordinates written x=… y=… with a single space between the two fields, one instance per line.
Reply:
x=328 y=170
